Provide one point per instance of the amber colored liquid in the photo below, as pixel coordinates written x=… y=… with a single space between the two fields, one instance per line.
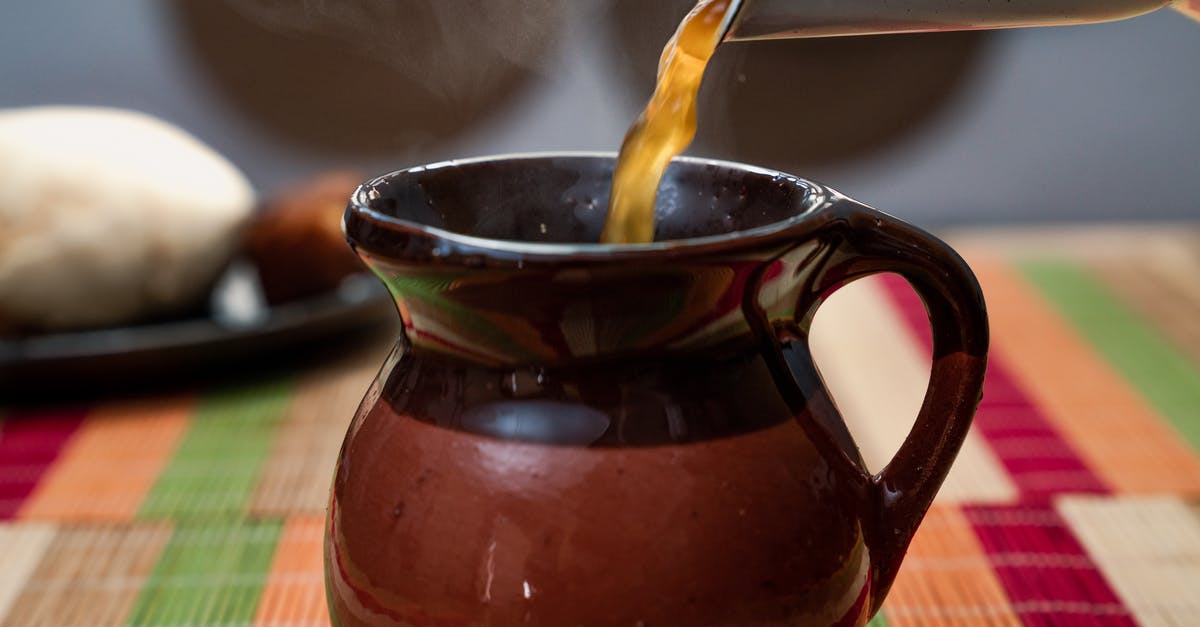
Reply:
x=665 y=127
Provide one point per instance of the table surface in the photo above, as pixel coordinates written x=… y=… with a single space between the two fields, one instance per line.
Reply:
x=1074 y=501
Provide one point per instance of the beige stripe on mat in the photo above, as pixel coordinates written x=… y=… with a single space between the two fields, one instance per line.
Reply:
x=22 y=545
x=946 y=579
x=295 y=478
x=1148 y=548
x=1164 y=291
x=1076 y=242
x=878 y=372
x=90 y=576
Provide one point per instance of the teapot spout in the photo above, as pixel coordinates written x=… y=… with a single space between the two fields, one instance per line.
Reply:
x=790 y=19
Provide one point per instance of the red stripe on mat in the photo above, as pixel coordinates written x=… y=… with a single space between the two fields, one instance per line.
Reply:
x=30 y=442
x=1047 y=574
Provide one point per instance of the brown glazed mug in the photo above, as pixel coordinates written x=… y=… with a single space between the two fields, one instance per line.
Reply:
x=570 y=433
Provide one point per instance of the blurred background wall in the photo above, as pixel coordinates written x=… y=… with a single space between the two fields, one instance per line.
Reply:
x=1089 y=122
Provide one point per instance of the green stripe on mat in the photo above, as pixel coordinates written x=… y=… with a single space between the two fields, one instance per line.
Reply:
x=878 y=621
x=1163 y=374
x=209 y=575
x=214 y=470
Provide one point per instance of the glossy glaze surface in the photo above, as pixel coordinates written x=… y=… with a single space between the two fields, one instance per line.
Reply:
x=583 y=434
x=435 y=525
x=778 y=19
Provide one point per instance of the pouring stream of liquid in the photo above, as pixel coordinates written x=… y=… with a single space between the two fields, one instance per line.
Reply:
x=666 y=126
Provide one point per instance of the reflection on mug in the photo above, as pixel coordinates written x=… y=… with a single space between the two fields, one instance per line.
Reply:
x=537 y=420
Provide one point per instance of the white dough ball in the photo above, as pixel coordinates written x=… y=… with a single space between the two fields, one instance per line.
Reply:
x=107 y=216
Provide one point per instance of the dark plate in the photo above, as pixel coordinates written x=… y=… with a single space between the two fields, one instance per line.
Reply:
x=238 y=333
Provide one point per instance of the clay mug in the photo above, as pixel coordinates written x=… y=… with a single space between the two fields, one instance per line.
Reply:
x=570 y=433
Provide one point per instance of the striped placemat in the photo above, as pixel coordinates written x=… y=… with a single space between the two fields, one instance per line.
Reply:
x=1074 y=501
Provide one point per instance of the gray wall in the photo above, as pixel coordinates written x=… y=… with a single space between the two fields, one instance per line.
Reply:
x=1059 y=124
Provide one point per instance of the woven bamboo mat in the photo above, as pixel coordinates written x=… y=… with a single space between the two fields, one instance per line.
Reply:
x=1074 y=501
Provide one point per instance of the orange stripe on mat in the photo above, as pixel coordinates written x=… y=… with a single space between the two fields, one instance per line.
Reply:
x=1111 y=426
x=947 y=579
x=294 y=594
x=112 y=462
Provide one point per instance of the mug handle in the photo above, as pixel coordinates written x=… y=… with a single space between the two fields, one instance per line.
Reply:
x=867 y=242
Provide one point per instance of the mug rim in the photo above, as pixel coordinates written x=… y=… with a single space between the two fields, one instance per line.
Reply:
x=818 y=196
